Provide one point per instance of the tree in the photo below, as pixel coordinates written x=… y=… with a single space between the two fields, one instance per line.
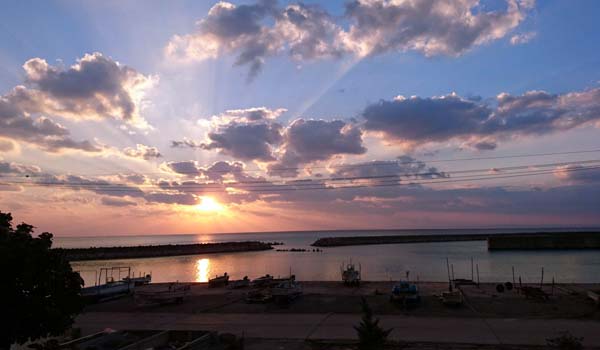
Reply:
x=370 y=335
x=40 y=294
x=566 y=341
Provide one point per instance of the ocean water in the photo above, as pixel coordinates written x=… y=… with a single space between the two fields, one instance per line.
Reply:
x=422 y=261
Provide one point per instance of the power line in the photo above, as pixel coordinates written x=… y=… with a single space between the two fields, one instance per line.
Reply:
x=303 y=182
x=376 y=163
x=282 y=188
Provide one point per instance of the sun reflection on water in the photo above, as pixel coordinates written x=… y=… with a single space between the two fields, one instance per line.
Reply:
x=202 y=270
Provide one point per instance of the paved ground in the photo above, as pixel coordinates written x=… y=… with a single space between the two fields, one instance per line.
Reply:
x=340 y=326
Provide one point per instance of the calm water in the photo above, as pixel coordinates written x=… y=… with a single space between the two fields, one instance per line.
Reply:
x=426 y=261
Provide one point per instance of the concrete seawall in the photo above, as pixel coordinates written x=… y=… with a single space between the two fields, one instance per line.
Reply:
x=587 y=240
x=108 y=253
x=497 y=241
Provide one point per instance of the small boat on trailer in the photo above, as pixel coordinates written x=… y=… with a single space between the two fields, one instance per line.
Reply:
x=174 y=293
x=219 y=281
x=406 y=293
x=452 y=297
x=350 y=275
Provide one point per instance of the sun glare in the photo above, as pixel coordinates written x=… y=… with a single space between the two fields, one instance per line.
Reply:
x=209 y=204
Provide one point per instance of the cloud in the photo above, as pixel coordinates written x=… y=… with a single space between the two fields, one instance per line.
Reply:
x=142 y=152
x=307 y=141
x=523 y=38
x=6 y=145
x=245 y=141
x=405 y=166
x=578 y=174
x=94 y=87
x=218 y=171
x=117 y=202
x=415 y=120
x=255 y=32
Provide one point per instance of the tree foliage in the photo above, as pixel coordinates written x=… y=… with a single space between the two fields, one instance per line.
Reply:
x=370 y=335
x=40 y=294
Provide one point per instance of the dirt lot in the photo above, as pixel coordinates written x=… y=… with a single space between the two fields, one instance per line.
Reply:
x=565 y=301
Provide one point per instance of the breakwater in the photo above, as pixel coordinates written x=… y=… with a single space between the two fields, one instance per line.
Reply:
x=538 y=241
x=496 y=241
x=368 y=240
x=109 y=253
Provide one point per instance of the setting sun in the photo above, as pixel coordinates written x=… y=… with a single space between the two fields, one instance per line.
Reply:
x=209 y=204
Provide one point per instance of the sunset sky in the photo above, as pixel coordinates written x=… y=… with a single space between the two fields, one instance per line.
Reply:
x=147 y=117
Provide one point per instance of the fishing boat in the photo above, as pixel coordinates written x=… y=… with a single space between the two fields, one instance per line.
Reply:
x=350 y=275
x=287 y=290
x=219 y=281
x=262 y=281
x=405 y=292
x=174 y=293
x=243 y=283
x=112 y=287
x=140 y=280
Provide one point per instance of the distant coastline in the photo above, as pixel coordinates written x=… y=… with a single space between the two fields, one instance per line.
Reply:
x=150 y=251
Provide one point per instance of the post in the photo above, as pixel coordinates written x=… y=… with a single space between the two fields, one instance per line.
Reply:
x=452 y=268
x=513 y=271
x=472 y=277
x=542 y=280
x=449 y=280
x=520 y=283
x=552 y=285
x=477 y=266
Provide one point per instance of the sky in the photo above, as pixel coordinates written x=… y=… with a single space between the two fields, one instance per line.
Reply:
x=153 y=117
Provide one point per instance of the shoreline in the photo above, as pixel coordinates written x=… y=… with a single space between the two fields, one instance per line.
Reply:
x=153 y=251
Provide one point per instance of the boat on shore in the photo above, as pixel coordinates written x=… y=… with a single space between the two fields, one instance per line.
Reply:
x=350 y=275
x=287 y=291
x=243 y=283
x=174 y=293
x=452 y=297
x=406 y=293
x=263 y=281
x=140 y=280
x=113 y=287
x=218 y=281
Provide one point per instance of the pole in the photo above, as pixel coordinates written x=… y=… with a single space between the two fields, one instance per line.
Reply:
x=542 y=280
x=472 y=277
x=513 y=271
x=477 y=266
x=449 y=280
x=452 y=267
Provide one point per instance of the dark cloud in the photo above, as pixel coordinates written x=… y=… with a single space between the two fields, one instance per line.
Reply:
x=96 y=86
x=405 y=166
x=578 y=174
x=142 y=152
x=245 y=141
x=307 y=141
x=12 y=168
x=417 y=120
x=117 y=202
x=304 y=32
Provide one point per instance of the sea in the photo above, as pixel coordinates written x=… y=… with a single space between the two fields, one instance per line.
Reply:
x=415 y=261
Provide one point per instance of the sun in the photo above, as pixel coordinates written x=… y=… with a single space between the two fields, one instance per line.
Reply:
x=209 y=204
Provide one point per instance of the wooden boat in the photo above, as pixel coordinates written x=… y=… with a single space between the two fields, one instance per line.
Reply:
x=106 y=291
x=452 y=298
x=174 y=293
x=350 y=275
x=405 y=292
x=219 y=281
x=243 y=283
x=262 y=281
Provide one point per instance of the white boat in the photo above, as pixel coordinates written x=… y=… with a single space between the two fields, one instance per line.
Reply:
x=243 y=283
x=219 y=281
x=350 y=275
x=452 y=298
x=140 y=280
x=112 y=287
x=262 y=281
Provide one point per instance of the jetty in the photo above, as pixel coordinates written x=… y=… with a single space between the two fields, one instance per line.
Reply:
x=110 y=253
x=496 y=241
